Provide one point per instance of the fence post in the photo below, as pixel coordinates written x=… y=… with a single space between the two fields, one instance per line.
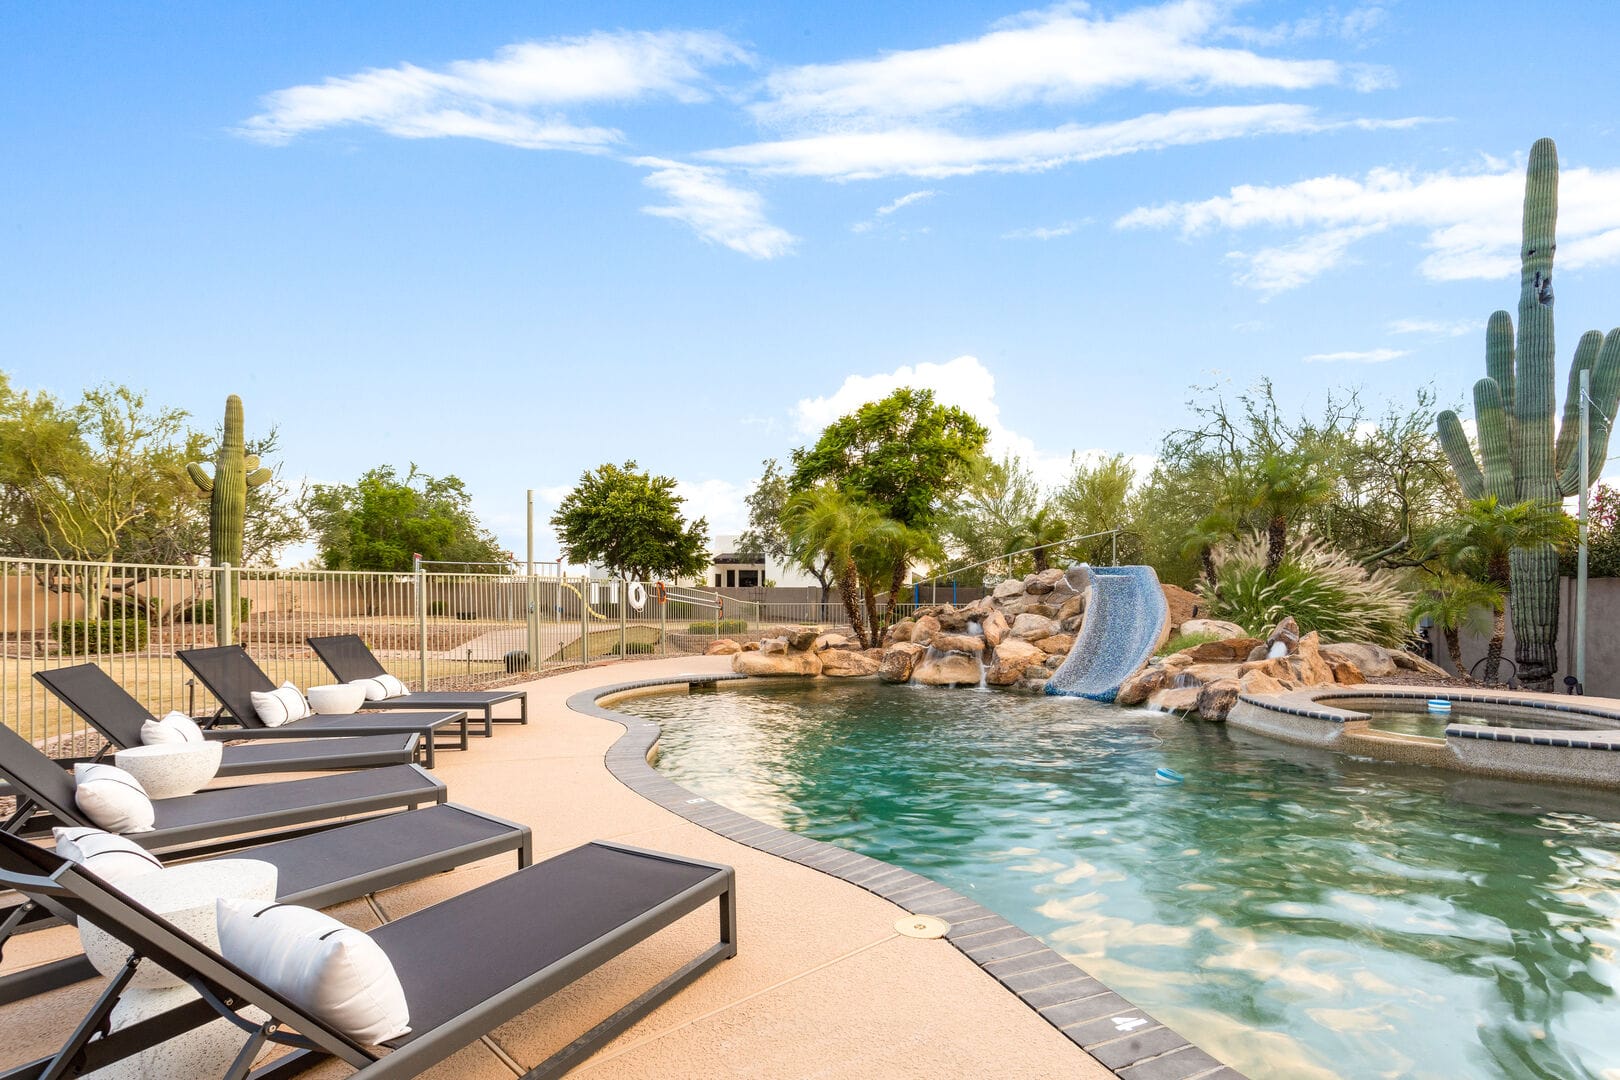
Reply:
x=224 y=607
x=585 y=618
x=663 y=625
x=421 y=623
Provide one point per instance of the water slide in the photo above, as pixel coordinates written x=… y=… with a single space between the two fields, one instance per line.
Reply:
x=1125 y=621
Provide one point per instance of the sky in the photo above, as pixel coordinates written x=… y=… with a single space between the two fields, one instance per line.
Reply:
x=512 y=241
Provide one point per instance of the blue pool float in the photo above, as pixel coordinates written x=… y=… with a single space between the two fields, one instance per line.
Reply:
x=1167 y=776
x=1439 y=705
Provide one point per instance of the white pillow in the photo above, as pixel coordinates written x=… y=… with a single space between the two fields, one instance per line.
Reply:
x=381 y=686
x=279 y=706
x=110 y=857
x=335 y=971
x=176 y=727
x=112 y=798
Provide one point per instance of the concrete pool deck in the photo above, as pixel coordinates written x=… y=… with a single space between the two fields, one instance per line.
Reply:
x=823 y=985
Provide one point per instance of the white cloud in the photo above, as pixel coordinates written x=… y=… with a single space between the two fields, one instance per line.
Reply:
x=1044 y=57
x=1437 y=327
x=721 y=502
x=931 y=152
x=965 y=383
x=1354 y=25
x=1473 y=220
x=888 y=208
x=510 y=98
x=1046 y=232
x=1370 y=356
x=702 y=198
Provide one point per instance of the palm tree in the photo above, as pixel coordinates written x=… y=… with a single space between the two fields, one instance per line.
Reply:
x=1456 y=601
x=1482 y=537
x=1042 y=529
x=1282 y=485
x=1212 y=530
x=888 y=550
x=823 y=522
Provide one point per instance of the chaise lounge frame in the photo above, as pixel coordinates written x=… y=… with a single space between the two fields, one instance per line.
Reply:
x=349 y=658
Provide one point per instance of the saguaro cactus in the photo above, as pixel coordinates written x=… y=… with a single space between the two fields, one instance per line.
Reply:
x=234 y=472
x=1521 y=457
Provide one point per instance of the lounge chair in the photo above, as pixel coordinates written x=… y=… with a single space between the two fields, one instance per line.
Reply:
x=350 y=660
x=467 y=964
x=95 y=698
x=318 y=869
x=230 y=674
x=42 y=785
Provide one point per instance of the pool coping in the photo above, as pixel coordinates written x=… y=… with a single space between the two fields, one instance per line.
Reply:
x=1123 y=1038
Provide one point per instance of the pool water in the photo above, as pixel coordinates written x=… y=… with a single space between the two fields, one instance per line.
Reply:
x=1408 y=721
x=1297 y=913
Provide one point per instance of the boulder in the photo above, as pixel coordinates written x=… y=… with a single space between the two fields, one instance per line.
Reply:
x=1216 y=699
x=1042 y=583
x=1309 y=667
x=773 y=646
x=1073 y=606
x=1079 y=578
x=1011 y=660
x=1139 y=687
x=972 y=644
x=1228 y=651
x=923 y=633
x=898 y=660
x=1179 y=700
x=750 y=646
x=1413 y=662
x=1286 y=633
x=995 y=628
x=841 y=663
x=830 y=641
x=1373 y=661
x=1033 y=605
x=1258 y=682
x=1176 y=661
x=1052 y=663
x=1260 y=651
x=1008 y=589
x=724 y=647
x=947 y=669
x=803 y=639
x=953 y=620
x=789 y=663
x=1345 y=673
x=1202 y=674
x=900 y=631
x=1213 y=626
x=1056 y=644
x=1031 y=627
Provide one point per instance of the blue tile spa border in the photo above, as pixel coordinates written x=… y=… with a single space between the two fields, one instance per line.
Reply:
x=1123 y=1037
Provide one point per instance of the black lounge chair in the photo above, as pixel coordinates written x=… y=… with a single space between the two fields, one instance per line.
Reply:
x=230 y=674
x=317 y=869
x=467 y=964
x=40 y=784
x=349 y=659
x=95 y=698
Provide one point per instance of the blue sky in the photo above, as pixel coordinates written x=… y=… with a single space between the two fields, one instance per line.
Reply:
x=512 y=241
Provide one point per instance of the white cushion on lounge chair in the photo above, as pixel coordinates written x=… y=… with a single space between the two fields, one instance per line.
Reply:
x=112 y=798
x=176 y=727
x=111 y=857
x=280 y=706
x=333 y=970
x=381 y=686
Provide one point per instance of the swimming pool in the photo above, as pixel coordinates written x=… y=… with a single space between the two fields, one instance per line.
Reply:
x=1297 y=913
x=1405 y=718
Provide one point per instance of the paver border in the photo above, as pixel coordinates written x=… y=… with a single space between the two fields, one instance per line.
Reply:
x=1124 y=1038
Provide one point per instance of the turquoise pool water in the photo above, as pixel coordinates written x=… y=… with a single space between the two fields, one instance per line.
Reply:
x=1298 y=913
x=1407 y=720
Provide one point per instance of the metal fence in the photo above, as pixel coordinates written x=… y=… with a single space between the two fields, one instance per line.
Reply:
x=434 y=628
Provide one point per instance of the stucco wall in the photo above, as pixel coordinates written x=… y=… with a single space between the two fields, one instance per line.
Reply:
x=1602 y=638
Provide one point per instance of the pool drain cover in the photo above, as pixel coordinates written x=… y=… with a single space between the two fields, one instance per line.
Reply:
x=922 y=926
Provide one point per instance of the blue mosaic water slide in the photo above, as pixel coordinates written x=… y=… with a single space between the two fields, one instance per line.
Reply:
x=1125 y=620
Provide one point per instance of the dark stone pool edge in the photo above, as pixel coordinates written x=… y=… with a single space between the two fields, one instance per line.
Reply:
x=1123 y=1037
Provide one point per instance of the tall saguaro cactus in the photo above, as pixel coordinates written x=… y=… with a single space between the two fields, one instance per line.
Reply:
x=235 y=471
x=1521 y=456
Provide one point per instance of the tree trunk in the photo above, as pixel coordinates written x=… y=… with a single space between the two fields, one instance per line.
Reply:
x=1040 y=560
x=1206 y=555
x=872 y=623
x=1493 y=654
x=897 y=581
x=848 y=590
x=1454 y=648
x=1535 y=617
x=1276 y=544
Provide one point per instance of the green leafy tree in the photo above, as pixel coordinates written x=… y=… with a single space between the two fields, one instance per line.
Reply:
x=383 y=519
x=767 y=537
x=1040 y=533
x=1454 y=602
x=1480 y=541
x=983 y=522
x=1096 y=497
x=826 y=523
x=630 y=522
x=1283 y=485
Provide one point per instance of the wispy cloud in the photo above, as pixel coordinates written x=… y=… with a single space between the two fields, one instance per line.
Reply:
x=702 y=198
x=1437 y=327
x=1042 y=57
x=888 y=208
x=934 y=153
x=1472 y=220
x=513 y=97
x=1046 y=232
x=1370 y=356
x=1355 y=25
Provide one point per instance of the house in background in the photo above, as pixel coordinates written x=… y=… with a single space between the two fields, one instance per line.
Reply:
x=730 y=569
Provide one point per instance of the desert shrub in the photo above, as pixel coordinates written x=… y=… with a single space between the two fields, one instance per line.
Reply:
x=82 y=636
x=437 y=607
x=640 y=648
x=1185 y=641
x=727 y=626
x=130 y=607
x=202 y=611
x=1321 y=587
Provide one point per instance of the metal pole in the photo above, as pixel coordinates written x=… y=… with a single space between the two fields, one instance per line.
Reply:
x=1580 y=558
x=624 y=613
x=531 y=623
x=585 y=617
x=421 y=623
x=224 y=606
x=1113 y=540
x=663 y=628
